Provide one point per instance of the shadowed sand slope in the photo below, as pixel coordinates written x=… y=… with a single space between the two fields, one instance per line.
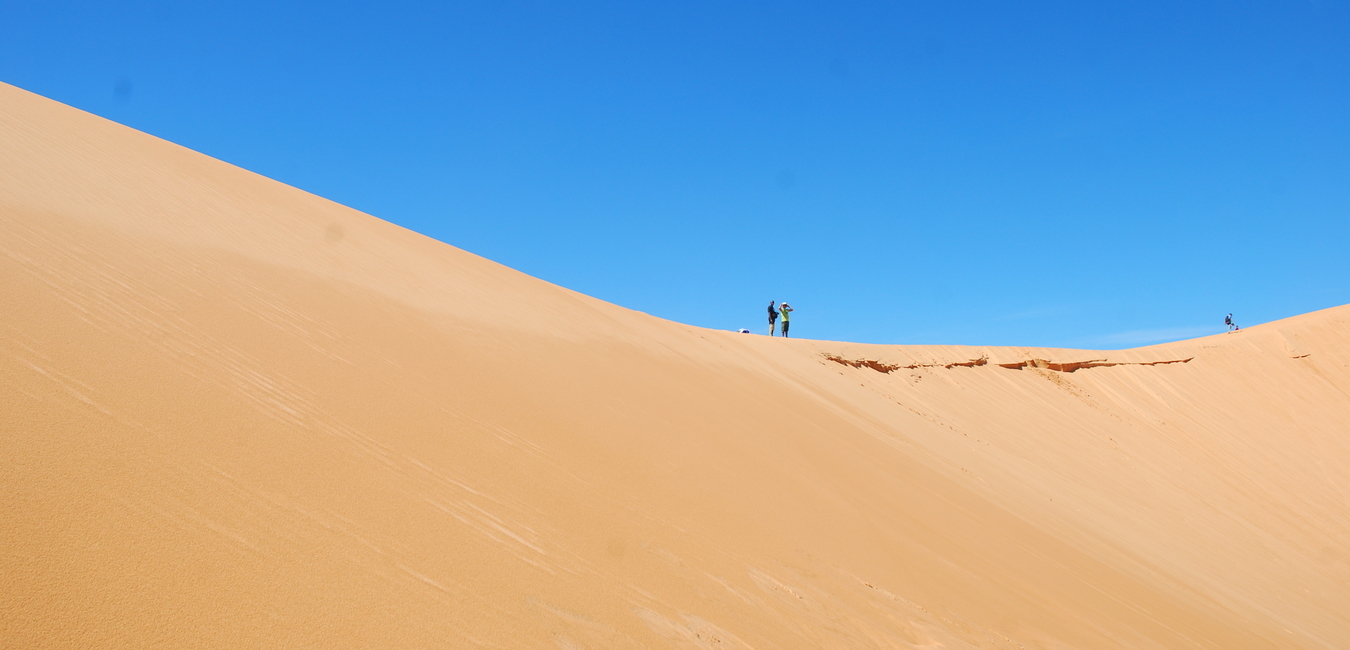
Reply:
x=233 y=414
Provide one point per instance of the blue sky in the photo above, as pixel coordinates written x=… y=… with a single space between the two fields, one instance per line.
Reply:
x=1065 y=174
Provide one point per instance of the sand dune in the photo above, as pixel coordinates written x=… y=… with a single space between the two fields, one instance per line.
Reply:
x=233 y=414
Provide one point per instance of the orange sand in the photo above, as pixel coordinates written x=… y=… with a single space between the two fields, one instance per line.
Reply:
x=234 y=415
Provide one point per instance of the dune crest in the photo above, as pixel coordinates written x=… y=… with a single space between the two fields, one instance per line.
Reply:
x=238 y=415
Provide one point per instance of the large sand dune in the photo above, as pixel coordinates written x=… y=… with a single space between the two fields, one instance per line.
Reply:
x=233 y=414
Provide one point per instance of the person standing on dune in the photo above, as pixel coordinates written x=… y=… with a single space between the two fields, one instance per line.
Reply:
x=773 y=316
x=785 y=309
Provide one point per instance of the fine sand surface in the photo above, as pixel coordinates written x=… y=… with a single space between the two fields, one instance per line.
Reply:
x=236 y=415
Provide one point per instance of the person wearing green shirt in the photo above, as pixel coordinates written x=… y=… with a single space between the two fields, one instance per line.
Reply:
x=784 y=311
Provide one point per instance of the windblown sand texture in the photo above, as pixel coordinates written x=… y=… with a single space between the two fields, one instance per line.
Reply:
x=236 y=415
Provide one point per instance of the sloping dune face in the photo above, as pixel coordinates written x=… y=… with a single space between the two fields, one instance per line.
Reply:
x=233 y=414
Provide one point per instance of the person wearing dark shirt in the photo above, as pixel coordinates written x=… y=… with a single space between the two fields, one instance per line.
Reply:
x=773 y=316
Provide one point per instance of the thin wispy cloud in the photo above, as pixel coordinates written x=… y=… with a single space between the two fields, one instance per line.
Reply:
x=1134 y=338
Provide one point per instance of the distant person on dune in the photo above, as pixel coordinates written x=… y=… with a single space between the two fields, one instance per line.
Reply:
x=784 y=310
x=773 y=316
x=1228 y=320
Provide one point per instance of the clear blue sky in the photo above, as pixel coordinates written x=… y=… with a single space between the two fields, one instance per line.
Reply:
x=1012 y=173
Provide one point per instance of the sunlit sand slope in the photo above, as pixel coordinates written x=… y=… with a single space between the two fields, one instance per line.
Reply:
x=236 y=415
